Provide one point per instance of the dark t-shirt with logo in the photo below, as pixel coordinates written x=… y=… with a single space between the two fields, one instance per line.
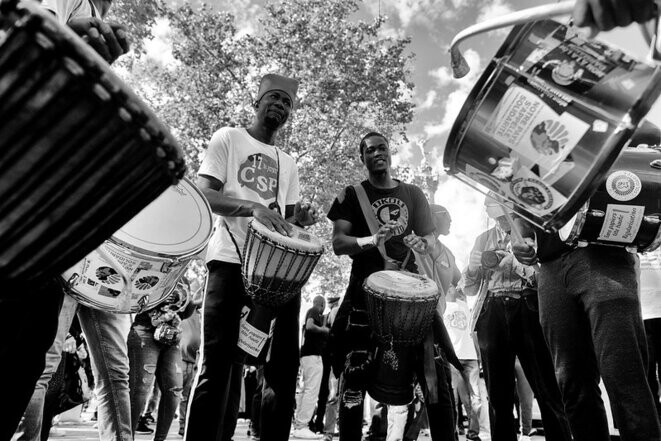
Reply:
x=405 y=204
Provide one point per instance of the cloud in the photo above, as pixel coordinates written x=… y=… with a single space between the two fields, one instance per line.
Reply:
x=495 y=8
x=428 y=102
x=411 y=12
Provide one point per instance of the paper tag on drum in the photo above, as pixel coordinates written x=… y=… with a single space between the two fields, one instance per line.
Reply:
x=251 y=339
x=621 y=223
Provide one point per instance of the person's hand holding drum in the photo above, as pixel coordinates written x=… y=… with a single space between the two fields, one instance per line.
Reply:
x=108 y=40
x=271 y=220
x=305 y=214
x=525 y=252
x=604 y=15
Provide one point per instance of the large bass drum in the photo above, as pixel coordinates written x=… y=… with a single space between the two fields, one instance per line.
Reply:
x=625 y=211
x=140 y=264
x=547 y=119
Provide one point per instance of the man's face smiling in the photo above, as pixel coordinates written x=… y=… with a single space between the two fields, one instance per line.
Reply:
x=274 y=108
x=376 y=154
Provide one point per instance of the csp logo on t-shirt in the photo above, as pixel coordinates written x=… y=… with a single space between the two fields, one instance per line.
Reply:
x=387 y=209
x=260 y=174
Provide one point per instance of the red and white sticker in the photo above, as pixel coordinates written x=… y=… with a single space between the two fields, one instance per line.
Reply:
x=621 y=223
x=623 y=185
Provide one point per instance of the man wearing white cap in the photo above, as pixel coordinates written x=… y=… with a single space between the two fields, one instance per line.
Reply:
x=245 y=175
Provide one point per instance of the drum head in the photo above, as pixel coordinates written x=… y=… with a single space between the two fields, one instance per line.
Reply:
x=401 y=284
x=299 y=240
x=177 y=223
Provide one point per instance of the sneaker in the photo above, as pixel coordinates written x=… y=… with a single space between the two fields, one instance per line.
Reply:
x=524 y=438
x=305 y=433
x=143 y=427
x=56 y=432
x=182 y=431
x=532 y=432
x=147 y=418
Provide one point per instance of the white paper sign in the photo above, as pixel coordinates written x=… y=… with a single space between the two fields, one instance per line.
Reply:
x=650 y=284
x=251 y=339
x=621 y=223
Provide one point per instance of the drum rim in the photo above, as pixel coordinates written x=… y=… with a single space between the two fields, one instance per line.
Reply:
x=143 y=252
x=577 y=228
x=263 y=233
x=417 y=298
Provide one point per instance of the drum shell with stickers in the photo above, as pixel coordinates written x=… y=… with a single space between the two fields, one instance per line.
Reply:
x=625 y=211
x=540 y=137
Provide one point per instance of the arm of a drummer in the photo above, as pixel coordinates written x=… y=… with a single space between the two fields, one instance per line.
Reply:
x=346 y=244
x=212 y=189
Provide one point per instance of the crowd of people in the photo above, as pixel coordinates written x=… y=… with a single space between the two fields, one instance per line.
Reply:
x=548 y=320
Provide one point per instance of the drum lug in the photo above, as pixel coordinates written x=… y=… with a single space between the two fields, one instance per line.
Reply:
x=632 y=249
x=656 y=164
x=596 y=213
x=582 y=244
x=652 y=220
x=73 y=280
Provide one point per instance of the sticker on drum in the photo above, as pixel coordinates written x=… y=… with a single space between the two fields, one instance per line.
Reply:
x=533 y=193
x=621 y=223
x=623 y=185
x=524 y=122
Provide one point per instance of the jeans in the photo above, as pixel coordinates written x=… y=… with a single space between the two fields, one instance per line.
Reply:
x=322 y=401
x=106 y=340
x=397 y=416
x=106 y=335
x=149 y=359
x=28 y=325
x=30 y=427
x=590 y=313
x=215 y=404
x=188 y=373
x=471 y=400
x=312 y=370
x=508 y=327
x=653 y=333
x=525 y=395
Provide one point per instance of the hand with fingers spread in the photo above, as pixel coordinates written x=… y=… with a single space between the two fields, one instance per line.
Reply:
x=305 y=214
x=385 y=232
x=604 y=15
x=108 y=40
x=417 y=243
x=271 y=220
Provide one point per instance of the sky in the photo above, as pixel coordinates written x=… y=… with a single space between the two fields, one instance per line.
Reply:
x=432 y=24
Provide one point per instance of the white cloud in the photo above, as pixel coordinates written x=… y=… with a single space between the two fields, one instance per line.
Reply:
x=410 y=12
x=492 y=9
x=159 y=48
x=429 y=101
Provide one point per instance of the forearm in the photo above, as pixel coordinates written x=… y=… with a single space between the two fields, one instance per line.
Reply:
x=349 y=245
x=228 y=206
x=316 y=329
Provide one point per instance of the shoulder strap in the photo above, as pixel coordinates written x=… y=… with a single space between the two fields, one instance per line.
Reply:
x=372 y=222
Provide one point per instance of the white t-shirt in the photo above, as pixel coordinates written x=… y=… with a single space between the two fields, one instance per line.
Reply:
x=65 y=10
x=456 y=319
x=650 y=284
x=248 y=170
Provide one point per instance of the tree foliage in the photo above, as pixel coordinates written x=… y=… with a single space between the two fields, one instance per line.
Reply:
x=352 y=79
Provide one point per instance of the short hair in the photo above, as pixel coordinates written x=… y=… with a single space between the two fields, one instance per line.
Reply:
x=363 y=142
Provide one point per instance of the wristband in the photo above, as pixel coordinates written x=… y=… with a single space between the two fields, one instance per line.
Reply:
x=364 y=241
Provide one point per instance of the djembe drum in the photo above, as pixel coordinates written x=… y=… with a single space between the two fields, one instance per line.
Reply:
x=80 y=154
x=400 y=308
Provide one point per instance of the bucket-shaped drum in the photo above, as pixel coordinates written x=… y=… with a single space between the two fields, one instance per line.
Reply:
x=548 y=118
x=275 y=267
x=140 y=264
x=400 y=305
x=80 y=153
x=625 y=211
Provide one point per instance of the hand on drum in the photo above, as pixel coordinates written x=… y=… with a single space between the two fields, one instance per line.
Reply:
x=525 y=252
x=416 y=243
x=271 y=220
x=604 y=15
x=109 y=40
x=305 y=214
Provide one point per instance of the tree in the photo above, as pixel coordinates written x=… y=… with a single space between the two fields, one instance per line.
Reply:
x=352 y=79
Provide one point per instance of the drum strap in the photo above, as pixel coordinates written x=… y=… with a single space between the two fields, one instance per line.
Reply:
x=372 y=222
x=236 y=245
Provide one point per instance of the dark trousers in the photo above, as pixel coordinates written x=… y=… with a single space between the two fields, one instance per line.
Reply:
x=508 y=327
x=215 y=402
x=28 y=324
x=653 y=334
x=590 y=313
x=318 y=419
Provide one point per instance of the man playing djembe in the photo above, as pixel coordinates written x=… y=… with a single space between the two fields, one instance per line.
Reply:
x=404 y=220
x=245 y=175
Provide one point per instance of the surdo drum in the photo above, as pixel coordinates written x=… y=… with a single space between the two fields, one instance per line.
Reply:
x=548 y=118
x=275 y=267
x=80 y=154
x=139 y=266
x=625 y=210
